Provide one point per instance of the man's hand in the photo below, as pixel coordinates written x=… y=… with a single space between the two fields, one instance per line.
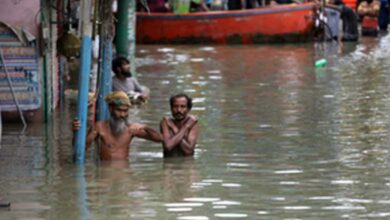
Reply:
x=75 y=124
x=142 y=98
x=191 y=121
x=193 y=117
x=167 y=6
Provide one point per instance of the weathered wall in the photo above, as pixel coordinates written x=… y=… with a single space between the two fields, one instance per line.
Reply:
x=21 y=13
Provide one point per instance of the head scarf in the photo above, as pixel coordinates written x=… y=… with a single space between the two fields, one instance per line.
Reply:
x=118 y=98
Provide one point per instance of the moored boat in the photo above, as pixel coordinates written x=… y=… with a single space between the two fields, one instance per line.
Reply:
x=280 y=23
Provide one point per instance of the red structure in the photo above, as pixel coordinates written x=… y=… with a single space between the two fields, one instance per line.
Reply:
x=282 y=23
x=351 y=3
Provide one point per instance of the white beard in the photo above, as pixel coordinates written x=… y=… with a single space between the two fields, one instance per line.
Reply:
x=118 y=125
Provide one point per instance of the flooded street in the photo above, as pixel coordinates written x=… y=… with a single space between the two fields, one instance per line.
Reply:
x=279 y=140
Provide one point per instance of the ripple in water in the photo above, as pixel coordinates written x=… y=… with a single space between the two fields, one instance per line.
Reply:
x=197 y=60
x=343 y=182
x=212 y=181
x=379 y=215
x=207 y=49
x=183 y=204
x=198 y=100
x=237 y=165
x=288 y=171
x=230 y=215
x=29 y=206
x=215 y=77
x=231 y=185
x=226 y=202
x=201 y=199
x=297 y=207
x=193 y=218
x=344 y=200
x=219 y=207
x=344 y=208
x=200 y=83
x=262 y=212
x=179 y=209
x=200 y=185
x=321 y=198
x=289 y=183
x=383 y=202
x=165 y=50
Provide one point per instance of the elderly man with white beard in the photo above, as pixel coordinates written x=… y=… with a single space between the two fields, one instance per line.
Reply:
x=115 y=135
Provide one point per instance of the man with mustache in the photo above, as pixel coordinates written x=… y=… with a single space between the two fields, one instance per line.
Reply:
x=179 y=132
x=123 y=81
x=115 y=135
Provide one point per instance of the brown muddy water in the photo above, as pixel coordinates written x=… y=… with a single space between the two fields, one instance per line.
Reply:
x=279 y=140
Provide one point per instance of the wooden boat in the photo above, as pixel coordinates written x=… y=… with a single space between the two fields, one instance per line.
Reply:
x=280 y=23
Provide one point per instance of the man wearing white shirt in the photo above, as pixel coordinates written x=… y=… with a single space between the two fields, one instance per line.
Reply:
x=123 y=80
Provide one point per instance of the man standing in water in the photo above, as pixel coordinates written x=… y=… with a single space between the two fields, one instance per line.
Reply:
x=180 y=132
x=115 y=135
x=123 y=80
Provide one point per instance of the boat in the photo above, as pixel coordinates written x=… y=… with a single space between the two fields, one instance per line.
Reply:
x=271 y=24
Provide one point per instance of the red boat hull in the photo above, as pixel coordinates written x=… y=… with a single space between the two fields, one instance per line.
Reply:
x=284 y=23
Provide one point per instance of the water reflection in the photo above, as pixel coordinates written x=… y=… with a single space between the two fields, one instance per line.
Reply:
x=178 y=176
x=279 y=140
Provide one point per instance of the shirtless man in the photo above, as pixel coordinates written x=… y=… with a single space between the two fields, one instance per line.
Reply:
x=179 y=132
x=115 y=135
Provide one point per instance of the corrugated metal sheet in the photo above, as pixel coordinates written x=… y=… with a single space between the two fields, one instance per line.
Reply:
x=21 y=62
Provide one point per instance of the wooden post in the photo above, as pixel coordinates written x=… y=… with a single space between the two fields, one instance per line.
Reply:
x=83 y=86
x=122 y=28
x=125 y=31
x=131 y=36
x=46 y=80
x=106 y=35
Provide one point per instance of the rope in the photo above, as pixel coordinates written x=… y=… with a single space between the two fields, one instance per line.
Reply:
x=12 y=89
x=330 y=31
x=318 y=16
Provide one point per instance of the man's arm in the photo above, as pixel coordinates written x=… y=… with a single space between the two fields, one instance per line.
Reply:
x=169 y=141
x=172 y=141
x=167 y=5
x=376 y=6
x=91 y=135
x=137 y=86
x=203 y=6
x=243 y=4
x=188 y=143
x=145 y=132
x=362 y=8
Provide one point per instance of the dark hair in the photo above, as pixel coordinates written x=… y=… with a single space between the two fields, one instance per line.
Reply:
x=180 y=95
x=118 y=62
x=338 y=2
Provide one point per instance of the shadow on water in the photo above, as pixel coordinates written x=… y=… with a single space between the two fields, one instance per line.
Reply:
x=280 y=139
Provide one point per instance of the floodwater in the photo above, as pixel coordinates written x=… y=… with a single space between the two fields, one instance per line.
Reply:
x=279 y=140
